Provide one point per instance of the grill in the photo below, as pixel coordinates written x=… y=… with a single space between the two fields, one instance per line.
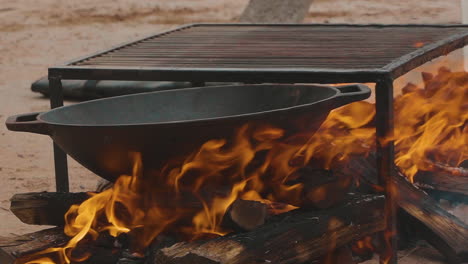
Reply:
x=338 y=48
x=299 y=53
x=272 y=53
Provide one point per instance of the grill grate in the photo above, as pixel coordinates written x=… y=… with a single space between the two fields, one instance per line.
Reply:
x=274 y=46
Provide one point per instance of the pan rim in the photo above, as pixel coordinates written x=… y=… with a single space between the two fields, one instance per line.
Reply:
x=40 y=117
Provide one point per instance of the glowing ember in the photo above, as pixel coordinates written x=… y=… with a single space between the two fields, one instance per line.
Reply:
x=363 y=246
x=419 y=44
x=260 y=161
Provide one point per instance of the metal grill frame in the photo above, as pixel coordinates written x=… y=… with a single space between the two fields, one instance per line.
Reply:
x=383 y=77
x=278 y=75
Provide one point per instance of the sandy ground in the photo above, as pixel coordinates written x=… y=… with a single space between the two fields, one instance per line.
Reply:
x=37 y=34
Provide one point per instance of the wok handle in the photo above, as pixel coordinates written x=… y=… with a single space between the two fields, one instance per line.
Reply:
x=27 y=123
x=352 y=93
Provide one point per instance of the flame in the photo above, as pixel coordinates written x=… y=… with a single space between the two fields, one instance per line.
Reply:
x=118 y=210
x=363 y=246
x=133 y=205
x=431 y=122
x=259 y=163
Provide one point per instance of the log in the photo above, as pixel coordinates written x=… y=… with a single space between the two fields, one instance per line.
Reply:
x=451 y=180
x=245 y=215
x=21 y=249
x=461 y=171
x=321 y=190
x=441 y=229
x=294 y=237
x=17 y=249
x=49 y=208
x=44 y=208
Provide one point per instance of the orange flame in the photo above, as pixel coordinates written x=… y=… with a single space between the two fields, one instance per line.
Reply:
x=363 y=245
x=117 y=210
x=259 y=164
x=133 y=205
x=431 y=122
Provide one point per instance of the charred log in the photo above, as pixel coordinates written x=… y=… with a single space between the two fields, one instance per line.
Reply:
x=293 y=237
x=441 y=229
x=245 y=215
x=44 y=208
x=49 y=208
x=18 y=249
x=24 y=248
x=453 y=180
x=321 y=188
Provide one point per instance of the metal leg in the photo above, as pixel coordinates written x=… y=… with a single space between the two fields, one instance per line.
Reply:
x=60 y=158
x=386 y=160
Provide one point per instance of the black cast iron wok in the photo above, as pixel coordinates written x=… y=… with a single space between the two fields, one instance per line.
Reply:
x=100 y=134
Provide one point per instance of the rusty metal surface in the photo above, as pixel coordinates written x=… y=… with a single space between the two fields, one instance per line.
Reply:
x=274 y=46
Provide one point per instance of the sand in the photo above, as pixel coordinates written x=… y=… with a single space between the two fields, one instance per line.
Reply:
x=41 y=33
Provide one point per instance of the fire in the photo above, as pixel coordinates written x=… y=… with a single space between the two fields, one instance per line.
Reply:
x=189 y=197
x=364 y=246
x=147 y=203
x=431 y=122
x=120 y=210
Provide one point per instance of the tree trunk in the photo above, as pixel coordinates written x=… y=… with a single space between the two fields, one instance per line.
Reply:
x=275 y=11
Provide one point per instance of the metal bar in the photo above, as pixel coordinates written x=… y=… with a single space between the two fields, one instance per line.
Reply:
x=60 y=158
x=292 y=75
x=336 y=25
x=385 y=162
x=429 y=52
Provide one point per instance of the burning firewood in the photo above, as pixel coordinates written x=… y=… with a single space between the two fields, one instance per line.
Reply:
x=444 y=231
x=296 y=236
x=17 y=249
x=246 y=215
x=44 y=208
x=444 y=178
x=49 y=208
x=321 y=189
x=21 y=249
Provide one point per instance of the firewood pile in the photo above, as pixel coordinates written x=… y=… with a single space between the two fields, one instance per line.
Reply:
x=329 y=229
